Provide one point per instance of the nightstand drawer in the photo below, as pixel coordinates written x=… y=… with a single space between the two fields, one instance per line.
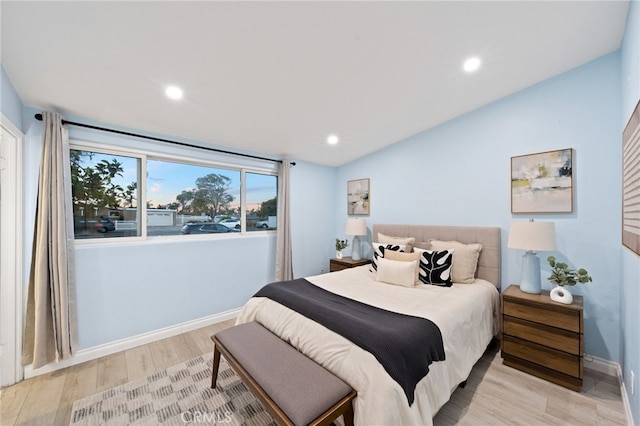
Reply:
x=555 y=338
x=541 y=355
x=337 y=266
x=546 y=315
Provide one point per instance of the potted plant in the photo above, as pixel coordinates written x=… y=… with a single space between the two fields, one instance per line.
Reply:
x=340 y=245
x=561 y=276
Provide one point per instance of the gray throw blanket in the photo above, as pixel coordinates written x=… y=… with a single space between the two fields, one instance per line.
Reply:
x=405 y=345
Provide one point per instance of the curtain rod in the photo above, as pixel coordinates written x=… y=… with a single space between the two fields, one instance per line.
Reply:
x=120 y=132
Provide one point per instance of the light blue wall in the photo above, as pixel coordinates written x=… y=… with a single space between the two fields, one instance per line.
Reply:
x=630 y=78
x=10 y=103
x=459 y=174
x=312 y=221
x=126 y=289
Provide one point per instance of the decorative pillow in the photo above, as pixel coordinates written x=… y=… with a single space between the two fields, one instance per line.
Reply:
x=465 y=259
x=424 y=245
x=396 y=272
x=406 y=257
x=379 y=250
x=388 y=239
x=435 y=267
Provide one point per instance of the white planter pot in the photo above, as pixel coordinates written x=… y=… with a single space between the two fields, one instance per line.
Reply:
x=561 y=294
x=338 y=254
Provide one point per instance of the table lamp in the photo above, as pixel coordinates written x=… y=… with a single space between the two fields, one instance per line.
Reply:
x=531 y=236
x=356 y=227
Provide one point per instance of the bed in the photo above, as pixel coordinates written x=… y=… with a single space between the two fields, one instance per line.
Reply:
x=466 y=315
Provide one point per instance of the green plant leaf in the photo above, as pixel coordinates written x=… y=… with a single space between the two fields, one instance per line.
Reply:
x=562 y=275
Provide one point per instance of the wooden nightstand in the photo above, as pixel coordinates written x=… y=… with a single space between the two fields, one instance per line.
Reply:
x=542 y=337
x=346 y=262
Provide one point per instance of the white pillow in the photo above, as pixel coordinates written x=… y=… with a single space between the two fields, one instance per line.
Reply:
x=405 y=257
x=396 y=272
x=388 y=239
x=465 y=259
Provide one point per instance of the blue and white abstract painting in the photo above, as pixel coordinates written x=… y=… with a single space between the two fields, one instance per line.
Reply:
x=542 y=182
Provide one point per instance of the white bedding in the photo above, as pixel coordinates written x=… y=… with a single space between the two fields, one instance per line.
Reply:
x=467 y=315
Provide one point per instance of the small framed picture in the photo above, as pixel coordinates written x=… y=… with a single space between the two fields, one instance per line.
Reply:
x=542 y=182
x=358 y=201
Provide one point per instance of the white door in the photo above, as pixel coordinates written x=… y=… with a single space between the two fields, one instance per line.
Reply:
x=10 y=253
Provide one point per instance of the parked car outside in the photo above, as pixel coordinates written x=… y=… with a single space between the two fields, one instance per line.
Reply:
x=104 y=225
x=231 y=223
x=215 y=228
x=205 y=228
x=267 y=223
x=188 y=228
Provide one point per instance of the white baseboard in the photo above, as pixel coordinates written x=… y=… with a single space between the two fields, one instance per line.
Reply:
x=130 y=342
x=612 y=369
x=627 y=405
x=602 y=365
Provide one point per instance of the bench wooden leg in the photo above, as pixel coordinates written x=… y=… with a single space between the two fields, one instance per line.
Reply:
x=216 y=366
x=347 y=416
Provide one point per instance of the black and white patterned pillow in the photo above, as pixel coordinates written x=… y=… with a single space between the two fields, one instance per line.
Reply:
x=435 y=267
x=378 y=252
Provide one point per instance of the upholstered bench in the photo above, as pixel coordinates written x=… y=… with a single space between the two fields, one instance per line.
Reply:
x=294 y=389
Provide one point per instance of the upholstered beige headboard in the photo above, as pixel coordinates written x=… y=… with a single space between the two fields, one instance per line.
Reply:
x=489 y=237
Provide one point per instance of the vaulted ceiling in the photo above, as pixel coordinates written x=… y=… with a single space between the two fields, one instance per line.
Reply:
x=277 y=78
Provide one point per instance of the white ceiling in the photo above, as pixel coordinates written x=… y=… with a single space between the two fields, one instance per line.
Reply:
x=278 y=77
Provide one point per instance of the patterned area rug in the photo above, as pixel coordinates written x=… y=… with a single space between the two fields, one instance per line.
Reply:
x=179 y=395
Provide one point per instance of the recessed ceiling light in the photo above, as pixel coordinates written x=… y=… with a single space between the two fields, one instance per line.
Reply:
x=472 y=64
x=173 y=92
x=332 y=140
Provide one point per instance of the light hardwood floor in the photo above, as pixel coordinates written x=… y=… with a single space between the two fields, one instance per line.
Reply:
x=499 y=395
x=494 y=395
x=47 y=399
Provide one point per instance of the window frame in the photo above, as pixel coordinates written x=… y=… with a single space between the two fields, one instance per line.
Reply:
x=143 y=156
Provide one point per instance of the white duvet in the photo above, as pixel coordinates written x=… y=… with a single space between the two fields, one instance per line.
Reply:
x=467 y=315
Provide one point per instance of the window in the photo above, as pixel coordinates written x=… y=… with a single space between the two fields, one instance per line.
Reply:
x=262 y=203
x=179 y=197
x=105 y=195
x=180 y=194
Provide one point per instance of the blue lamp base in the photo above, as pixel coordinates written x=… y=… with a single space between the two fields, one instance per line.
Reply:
x=355 y=251
x=530 y=279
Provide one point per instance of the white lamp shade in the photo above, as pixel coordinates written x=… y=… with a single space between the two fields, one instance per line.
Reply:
x=533 y=236
x=356 y=227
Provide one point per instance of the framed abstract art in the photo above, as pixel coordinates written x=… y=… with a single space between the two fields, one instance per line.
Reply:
x=542 y=182
x=358 y=201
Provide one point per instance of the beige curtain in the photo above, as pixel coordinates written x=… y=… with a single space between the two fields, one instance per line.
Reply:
x=284 y=265
x=50 y=328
